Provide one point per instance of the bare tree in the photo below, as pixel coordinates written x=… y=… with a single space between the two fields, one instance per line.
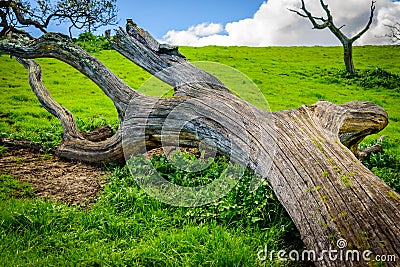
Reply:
x=308 y=154
x=394 y=33
x=323 y=23
x=79 y=14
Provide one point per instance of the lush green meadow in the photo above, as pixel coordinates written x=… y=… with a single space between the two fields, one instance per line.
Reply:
x=287 y=77
x=126 y=227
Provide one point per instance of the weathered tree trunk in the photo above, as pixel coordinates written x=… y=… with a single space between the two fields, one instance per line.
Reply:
x=306 y=153
x=348 y=57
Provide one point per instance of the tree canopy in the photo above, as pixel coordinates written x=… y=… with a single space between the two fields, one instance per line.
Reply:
x=86 y=15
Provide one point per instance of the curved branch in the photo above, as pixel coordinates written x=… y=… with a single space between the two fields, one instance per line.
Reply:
x=110 y=150
x=60 y=47
x=23 y=21
x=327 y=11
x=371 y=16
x=316 y=25
x=306 y=16
x=35 y=80
x=351 y=122
x=74 y=145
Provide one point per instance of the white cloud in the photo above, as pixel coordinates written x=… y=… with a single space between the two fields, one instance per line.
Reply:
x=194 y=34
x=274 y=24
x=205 y=29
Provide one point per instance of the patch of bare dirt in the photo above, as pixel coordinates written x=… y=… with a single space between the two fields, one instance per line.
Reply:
x=53 y=178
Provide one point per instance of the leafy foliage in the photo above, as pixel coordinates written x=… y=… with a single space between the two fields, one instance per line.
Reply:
x=380 y=78
x=92 y=43
x=91 y=123
x=385 y=165
x=239 y=207
x=126 y=227
x=181 y=168
x=79 y=14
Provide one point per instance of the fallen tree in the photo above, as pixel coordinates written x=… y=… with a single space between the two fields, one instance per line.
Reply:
x=309 y=154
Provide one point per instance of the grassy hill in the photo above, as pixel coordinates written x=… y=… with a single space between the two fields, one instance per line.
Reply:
x=287 y=76
x=126 y=227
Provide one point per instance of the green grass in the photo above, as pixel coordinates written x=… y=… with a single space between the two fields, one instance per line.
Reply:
x=23 y=117
x=288 y=77
x=11 y=188
x=128 y=228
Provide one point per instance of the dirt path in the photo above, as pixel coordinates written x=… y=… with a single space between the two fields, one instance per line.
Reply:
x=52 y=178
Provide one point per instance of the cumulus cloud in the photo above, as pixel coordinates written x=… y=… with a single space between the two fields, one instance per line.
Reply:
x=273 y=24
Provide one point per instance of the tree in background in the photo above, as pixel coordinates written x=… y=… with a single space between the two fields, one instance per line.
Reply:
x=86 y=15
x=394 y=33
x=322 y=23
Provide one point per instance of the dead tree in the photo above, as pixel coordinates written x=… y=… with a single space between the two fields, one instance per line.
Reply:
x=307 y=154
x=394 y=33
x=321 y=23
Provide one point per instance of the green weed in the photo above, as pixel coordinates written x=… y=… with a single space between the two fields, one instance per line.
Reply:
x=372 y=78
x=12 y=188
x=379 y=78
x=2 y=150
x=385 y=165
x=127 y=227
x=91 y=123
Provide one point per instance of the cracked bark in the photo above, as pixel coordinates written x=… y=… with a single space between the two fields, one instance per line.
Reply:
x=307 y=154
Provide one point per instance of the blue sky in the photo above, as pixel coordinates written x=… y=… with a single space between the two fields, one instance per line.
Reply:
x=160 y=16
x=252 y=22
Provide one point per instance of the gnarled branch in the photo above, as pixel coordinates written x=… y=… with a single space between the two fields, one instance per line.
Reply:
x=61 y=47
x=366 y=28
x=163 y=61
x=75 y=145
x=394 y=34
